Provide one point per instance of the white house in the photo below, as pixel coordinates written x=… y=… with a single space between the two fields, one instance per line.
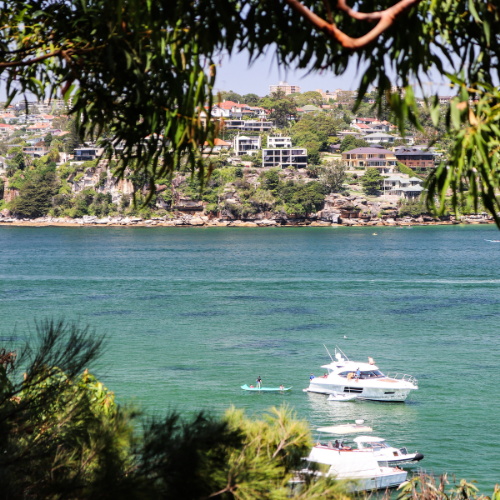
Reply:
x=278 y=141
x=379 y=137
x=403 y=186
x=219 y=112
x=244 y=144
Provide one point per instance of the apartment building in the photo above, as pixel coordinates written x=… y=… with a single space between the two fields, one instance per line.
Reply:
x=244 y=144
x=294 y=157
x=285 y=87
x=415 y=158
x=382 y=159
x=249 y=125
x=278 y=141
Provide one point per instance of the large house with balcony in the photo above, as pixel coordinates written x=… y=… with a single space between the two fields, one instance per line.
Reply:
x=415 y=158
x=402 y=186
x=254 y=125
x=379 y=158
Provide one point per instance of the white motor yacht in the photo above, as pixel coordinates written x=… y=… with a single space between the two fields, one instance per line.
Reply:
x=364 y=380
x=385 y=454
x=361 y=466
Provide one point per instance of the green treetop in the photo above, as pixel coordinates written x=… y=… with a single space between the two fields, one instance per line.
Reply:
x=372 y=181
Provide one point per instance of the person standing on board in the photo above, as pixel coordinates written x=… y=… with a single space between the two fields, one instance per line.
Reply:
x=259 y=381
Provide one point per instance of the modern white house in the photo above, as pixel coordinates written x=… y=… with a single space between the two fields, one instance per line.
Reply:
x=379 y=137
x=254 y=125
x=278 y=141
x=294 y=157
x=402 y=186
x=244 y=144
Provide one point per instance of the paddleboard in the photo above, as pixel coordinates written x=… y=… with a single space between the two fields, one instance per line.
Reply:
x=267 y=389
x=493 y=241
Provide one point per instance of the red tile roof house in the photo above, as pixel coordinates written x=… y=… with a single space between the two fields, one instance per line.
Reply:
x=365 y=120
x=219 y=145
x=6 y=129
x=361 y=126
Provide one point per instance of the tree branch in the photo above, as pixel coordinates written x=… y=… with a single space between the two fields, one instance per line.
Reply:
x=13 y=64
x=386 y=18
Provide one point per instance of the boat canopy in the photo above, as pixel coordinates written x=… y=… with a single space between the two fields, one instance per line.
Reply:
x=368 y=439
x=350 y=365
x=344 y=429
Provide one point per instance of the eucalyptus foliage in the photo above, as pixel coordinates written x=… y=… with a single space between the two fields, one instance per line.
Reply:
x=141 y=73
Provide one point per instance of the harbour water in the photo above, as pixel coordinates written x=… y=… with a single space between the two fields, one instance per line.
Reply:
x=192 y=314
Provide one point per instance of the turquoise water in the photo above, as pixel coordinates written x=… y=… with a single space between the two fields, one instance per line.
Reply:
x=192 y=314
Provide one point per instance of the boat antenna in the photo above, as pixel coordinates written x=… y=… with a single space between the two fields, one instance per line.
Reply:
x=328 y=353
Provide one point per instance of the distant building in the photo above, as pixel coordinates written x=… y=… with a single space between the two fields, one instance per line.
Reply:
x=415 y=158
x=295 y=157
x=87 y=154
x=379 y=158
x=249 y=125
x=402 y=186
x=37 y=150
x=285 y=87
x=246 y=144
x=311 y=109
x=278 y=141
x=379 y=137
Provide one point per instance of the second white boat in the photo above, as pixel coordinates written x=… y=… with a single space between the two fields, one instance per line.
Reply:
x=362 y=380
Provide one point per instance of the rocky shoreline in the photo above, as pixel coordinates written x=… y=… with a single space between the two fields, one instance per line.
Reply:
x=204 y=221
x=338 y=210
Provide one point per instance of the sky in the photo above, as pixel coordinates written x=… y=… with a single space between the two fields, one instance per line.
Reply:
x=235 y=74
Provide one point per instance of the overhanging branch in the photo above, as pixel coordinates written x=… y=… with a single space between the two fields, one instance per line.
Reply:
x=385 y=18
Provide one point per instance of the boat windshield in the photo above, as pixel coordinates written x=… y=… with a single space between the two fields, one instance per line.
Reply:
x=382 y=444
x=364 y=375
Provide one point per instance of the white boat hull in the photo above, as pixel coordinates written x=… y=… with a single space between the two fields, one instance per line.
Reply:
x=389 y=395
x=381 y=482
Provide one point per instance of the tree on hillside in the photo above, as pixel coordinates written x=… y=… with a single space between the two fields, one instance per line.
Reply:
x=282 y=107
x=316 y=128
x=333 y=176
x=350 y=142
x=251 y=99
x=35 y=198
x=311 y=97
x=231 y=96
x=48 y=139
x=151 y=109
x=372 y=181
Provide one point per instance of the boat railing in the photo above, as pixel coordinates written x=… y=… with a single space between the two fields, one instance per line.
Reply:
x=404 y=377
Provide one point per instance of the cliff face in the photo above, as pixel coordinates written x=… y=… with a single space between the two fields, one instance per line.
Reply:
x=101 y=180
x=9 y=193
